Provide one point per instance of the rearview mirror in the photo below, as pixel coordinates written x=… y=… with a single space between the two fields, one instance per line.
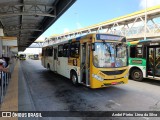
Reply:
x=93 y=47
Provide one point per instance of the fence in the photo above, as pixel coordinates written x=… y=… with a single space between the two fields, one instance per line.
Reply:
x=4 y=81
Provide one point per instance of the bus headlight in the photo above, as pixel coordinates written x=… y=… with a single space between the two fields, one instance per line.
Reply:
x=97 y=77
x=126 y=76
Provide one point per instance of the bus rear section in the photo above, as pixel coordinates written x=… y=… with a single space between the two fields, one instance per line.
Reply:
x=22 y=56
x=145 y=61
x=35 y=57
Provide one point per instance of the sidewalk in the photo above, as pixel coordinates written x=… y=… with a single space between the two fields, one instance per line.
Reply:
x=17 y=97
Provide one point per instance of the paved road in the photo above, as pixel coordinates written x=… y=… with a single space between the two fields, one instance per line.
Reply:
x=48 y=91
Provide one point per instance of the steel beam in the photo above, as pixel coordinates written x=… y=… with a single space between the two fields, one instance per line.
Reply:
x=17 y=30
x=28 y=14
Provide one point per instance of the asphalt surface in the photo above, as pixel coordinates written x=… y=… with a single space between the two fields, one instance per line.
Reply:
x=47 y=91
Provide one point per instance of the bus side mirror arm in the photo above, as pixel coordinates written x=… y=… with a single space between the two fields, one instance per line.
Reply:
x=93 y=47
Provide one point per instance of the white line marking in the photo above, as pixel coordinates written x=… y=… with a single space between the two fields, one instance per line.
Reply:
x=114 y=102
x=145 y=118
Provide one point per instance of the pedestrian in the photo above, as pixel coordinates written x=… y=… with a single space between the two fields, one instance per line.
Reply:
x=5 y=62
x=2 y=67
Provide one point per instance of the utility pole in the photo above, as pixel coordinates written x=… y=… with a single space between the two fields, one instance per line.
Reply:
x=145 y=24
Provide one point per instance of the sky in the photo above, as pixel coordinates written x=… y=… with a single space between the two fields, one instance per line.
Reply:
x=84 y=13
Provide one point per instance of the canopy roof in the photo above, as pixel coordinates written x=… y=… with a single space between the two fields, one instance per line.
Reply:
x=28 y=19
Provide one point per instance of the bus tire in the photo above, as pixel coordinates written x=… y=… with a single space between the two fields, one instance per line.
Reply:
x=137 y=75
x=74 y=79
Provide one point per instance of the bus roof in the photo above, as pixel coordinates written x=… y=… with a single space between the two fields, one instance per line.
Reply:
x=143 y=41
x=99 y=36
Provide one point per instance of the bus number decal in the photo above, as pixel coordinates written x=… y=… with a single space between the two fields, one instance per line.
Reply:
x=74 y=62
x=137 y=61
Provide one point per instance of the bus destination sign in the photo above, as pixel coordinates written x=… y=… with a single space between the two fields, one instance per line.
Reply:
x=108 y=37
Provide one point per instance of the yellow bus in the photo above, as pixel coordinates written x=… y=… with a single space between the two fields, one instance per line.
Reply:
x=94 y=60
x=22 y=56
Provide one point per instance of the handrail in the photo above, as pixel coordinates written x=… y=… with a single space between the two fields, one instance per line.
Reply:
x=4 y=81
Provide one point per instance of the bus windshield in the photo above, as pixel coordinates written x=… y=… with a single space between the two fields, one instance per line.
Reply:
x=22 y=55
x=110 y=55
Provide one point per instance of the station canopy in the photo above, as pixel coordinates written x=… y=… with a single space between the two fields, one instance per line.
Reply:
x=28 y=19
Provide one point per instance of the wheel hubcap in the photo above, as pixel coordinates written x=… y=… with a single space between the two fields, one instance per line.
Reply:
x=74 y=79
x=137 y=75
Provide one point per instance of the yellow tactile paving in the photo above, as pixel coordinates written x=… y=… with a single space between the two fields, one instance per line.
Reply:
x=10 y=101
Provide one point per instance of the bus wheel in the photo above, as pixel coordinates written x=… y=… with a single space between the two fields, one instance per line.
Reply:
x=74 y=78
x=137 y=75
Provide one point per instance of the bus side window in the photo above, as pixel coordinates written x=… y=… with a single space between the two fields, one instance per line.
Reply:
x=132 y=51
x=55 y=54
x=139 y=52
x=50 y=51
x=144 y=51
x=74 y=49
x=60 y=51
x=77 y=48
x=66 y=50
x=46 y=52
x=136 y=52
x=43 y=51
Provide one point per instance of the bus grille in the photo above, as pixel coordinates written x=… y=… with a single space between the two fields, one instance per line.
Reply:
x=113 y=72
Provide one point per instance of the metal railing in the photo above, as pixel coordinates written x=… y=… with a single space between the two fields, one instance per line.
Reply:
x=137 y=30
x=4 y=81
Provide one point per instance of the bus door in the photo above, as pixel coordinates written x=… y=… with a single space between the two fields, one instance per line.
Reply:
x=85 y=64
x=55 y=58
x=153 y=61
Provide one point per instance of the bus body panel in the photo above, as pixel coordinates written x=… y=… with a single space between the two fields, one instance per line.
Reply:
x=108 y=76
x=142 y=68
x=43 y=61
x=49 y=63
x=62 y=66
x=76 y=69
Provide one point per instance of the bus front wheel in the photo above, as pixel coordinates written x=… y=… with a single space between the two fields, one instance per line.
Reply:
x=74 y=78
x=137 y=75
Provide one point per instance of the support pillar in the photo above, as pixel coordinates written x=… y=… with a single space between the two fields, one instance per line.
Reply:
x=1 y=48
